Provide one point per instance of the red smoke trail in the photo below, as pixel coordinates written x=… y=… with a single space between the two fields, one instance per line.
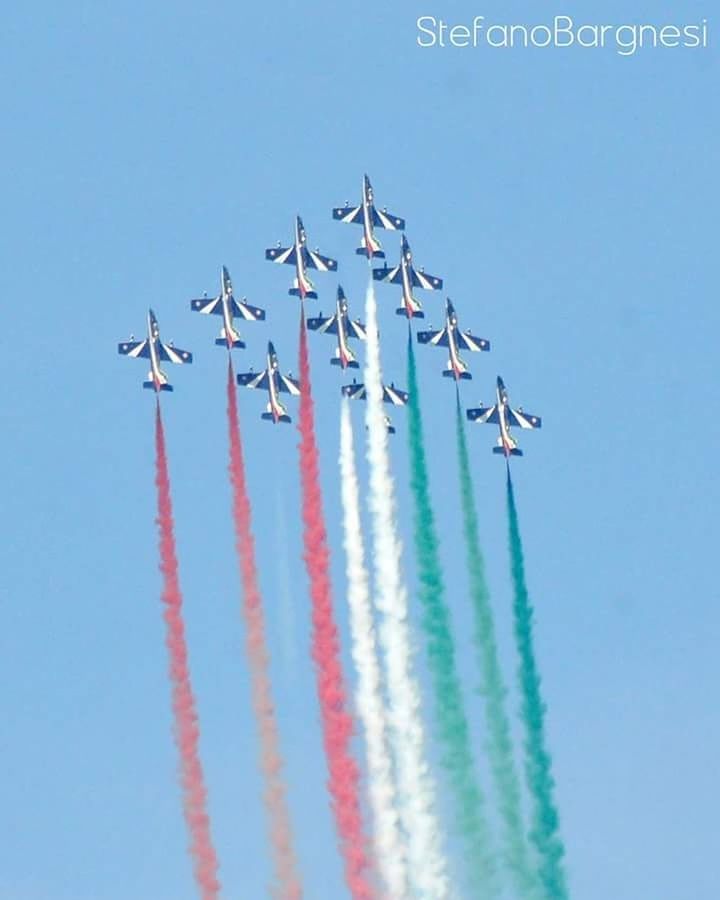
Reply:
x=183 y=701
x=288 y=887
x=337 y=723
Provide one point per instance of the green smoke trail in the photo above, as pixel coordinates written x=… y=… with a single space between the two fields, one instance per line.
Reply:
x=499 y=740
x=544 y=832
x=457 y=757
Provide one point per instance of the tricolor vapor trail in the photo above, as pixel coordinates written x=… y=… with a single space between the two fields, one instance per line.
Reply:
x=452 y=724
x=183 y=701
x=288 y=886
x=390 y=849
x=428 y=870
x=492 y=688
x=337 y=723
x=544 y=831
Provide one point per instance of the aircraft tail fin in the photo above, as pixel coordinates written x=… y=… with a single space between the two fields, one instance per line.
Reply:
x=514 y=451
x=449 y=373
x=309 y=295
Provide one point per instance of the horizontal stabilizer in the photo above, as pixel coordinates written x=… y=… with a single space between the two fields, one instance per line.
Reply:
x=270 y=418
x=401 y=311
x=150 y=385
x=222 y=342
x=351 y=364
x=295 y=292
x=514 y=451
x=449 y=373
x=375 y=254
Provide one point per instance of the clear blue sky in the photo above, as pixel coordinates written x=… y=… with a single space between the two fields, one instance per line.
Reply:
x=569 y=200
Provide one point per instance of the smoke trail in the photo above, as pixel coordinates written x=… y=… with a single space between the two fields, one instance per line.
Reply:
x=288 y=882
x=183 y=702
x=457 y=757
x=390 y=850
x=499 y=740
x=336 y=721
x=544 y=832
x=417 y=791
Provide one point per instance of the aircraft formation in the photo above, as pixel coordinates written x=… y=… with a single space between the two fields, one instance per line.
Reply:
x=340 y=325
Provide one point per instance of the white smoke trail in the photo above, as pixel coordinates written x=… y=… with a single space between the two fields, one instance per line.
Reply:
x=416 y=788
x=390 y=848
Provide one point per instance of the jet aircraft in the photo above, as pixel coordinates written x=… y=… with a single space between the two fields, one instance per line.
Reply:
x=271 y=380
x=156 y=351
x=228 y=307
x=370 y=218
x=409 y=277
x=451 y=337
x=303 y=259
x=504 y=416
x=344 y=327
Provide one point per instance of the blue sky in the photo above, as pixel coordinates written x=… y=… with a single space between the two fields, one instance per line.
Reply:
x=568 y=199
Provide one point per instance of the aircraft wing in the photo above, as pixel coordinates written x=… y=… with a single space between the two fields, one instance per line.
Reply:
x=135 y=349
x=383 y=219
x=282 y=255
x=244 y=310
x=353 y=214
x=288 y=385
x=394 y=395
x=467 y=341
x=484 y=414
x=253 y=379
x=436 y=338
x=314 y=260
x=207 y=305
x=522 y=419
x=325 y=325
x=423 y=280
x=391 y=394
x=355 y=328
x=391 y=276
x=354 y=391
x=168 y=353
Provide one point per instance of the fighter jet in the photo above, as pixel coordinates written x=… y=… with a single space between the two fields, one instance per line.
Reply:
x=303 y=259
x=152 y=348
x=454 y=339
x=409 y=277
x=344 y=327
x=271 y=380
x=368 y=216
x=228 y=307
x=391 y=394
x=503 y=415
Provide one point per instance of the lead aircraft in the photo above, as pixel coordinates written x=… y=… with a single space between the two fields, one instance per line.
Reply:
x=370 y=218
x=504 y=416
x=155 y=350
x=228 y=307
x=303 y=259
x=344 y=327
x=274 y=382
x=409 y=277
x=451 y=337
